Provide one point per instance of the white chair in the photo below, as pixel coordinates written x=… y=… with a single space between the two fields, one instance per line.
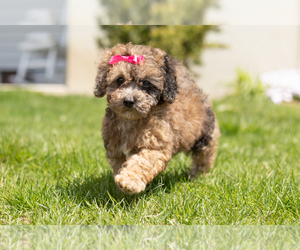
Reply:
x=35 y=43
x=42 y=43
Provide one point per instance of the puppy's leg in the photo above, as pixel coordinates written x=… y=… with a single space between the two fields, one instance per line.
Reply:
x=204 y=157
x=140 y=169
x=115 y=160
x=116 y=163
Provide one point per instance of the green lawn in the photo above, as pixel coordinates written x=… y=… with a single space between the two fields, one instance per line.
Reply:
x=53 y=168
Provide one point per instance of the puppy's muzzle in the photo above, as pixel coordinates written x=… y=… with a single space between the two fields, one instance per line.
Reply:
x=128 y=102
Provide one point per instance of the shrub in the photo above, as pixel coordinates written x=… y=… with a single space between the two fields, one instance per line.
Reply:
x=246 y=85
x=153 y=12
x=184 y=42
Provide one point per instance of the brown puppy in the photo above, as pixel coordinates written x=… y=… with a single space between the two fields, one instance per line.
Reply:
x=155 y=110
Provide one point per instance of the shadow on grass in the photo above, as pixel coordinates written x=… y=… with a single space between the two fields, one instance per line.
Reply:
x=102 y=190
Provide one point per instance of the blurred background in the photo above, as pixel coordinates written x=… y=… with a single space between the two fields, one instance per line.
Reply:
x=52 y=46
x=33 y=41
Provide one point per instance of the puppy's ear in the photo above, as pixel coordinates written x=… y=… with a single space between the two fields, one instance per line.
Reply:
x=101 y=79
x=170 y=85
x=101 y=83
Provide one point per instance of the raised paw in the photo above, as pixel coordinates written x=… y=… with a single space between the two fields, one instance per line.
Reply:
x=129 y=184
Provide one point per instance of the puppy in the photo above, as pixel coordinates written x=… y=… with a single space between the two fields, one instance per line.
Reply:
x=155 y=110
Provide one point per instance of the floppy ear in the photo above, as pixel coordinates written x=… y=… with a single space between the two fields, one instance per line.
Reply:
x=170 y=85
x=101 y=83
x=101 y=79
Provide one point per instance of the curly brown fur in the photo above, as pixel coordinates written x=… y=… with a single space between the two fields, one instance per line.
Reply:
x=155 y=110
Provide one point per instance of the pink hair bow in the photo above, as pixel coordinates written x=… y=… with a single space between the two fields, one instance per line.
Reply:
x=136 y=59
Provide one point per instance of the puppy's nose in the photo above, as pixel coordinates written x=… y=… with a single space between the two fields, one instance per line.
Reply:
x=128 y=102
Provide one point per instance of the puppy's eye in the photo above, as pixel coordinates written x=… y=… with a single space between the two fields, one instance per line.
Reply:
x=120 y=80
x=146 y=84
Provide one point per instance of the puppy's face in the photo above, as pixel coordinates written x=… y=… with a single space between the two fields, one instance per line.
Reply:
x=133 y=89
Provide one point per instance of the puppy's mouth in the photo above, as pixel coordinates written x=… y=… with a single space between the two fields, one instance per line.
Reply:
x=132 y=113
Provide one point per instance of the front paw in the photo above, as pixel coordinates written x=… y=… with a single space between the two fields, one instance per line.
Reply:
x=129 y=184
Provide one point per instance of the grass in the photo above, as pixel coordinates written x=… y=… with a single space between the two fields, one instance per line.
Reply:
x=149 y=237
x=53 y=169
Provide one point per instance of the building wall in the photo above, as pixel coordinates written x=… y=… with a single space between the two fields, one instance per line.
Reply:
x=13 y=12
x=254 y=48
x=82 y=45
x=261 y=36
x=255 y=12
